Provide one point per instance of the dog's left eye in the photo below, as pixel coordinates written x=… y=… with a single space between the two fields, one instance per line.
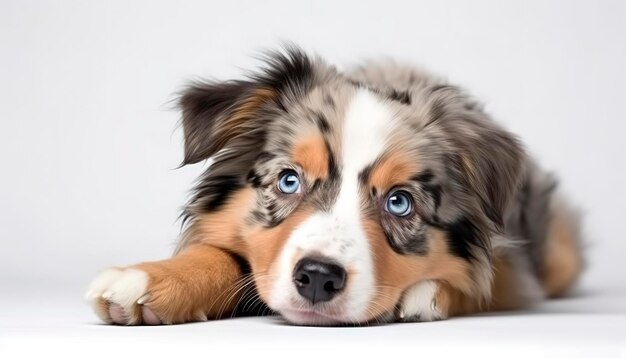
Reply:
x=398 y=203
x=289 y=182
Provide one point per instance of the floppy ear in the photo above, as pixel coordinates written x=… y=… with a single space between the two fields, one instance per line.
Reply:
x=487 y=162
x=216 y=113
x=493 y=161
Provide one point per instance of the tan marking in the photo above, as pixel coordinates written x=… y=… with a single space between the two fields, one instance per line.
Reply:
x=394 y=169
x=562 y=261
x=311 y=154
x=453 y=302
x=221 y=228
x=505 y=289
x=335 y=116
x=199 y=280
x=505 y=294
x=265 y=246
x=394 y=273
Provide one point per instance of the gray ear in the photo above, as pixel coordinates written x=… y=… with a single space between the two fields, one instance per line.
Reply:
x=486 y=161
x=215 y=113
x=492 y=160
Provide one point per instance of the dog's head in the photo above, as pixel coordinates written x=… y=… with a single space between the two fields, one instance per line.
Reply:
x=343 y=190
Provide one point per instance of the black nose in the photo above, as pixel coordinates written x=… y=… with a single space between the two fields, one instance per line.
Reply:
x=318 y=280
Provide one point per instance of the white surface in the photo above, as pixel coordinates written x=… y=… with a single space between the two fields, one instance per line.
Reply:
x=88 y=146
x=34 y=323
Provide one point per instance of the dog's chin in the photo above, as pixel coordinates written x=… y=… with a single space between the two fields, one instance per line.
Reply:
x=311 y=317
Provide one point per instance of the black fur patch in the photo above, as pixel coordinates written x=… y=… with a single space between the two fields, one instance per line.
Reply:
x=254 y=179
x=424 y=177
x=216 y=191
x=290 y=70
x=257 y=216
x=322 y=123
x=403 y=97
x=463 y=235
x=417 y=245
x=333 y=169
x=425 y=180
x=273 y=219
x=434 y=190
x=364 y=175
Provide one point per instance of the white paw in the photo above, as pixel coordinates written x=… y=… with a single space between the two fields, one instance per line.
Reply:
x=117 y=295
x=418 y=303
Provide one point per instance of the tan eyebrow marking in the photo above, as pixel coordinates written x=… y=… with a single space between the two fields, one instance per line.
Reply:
x=393 y=169
x=312 y=155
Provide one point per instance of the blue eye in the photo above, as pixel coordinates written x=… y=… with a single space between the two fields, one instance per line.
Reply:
x=398 y=203
x=289 y=182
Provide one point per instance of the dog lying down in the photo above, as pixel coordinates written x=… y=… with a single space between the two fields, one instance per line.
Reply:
x=374 y=195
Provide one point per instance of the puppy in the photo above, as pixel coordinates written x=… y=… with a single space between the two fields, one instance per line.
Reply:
x=376 y=195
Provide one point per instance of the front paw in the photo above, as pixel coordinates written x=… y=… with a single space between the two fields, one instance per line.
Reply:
x=118 y=296
x=419 y=303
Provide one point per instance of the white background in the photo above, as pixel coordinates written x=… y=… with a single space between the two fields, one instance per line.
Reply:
x=89 y=144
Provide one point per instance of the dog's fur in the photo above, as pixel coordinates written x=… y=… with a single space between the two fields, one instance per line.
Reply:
x=486 y=232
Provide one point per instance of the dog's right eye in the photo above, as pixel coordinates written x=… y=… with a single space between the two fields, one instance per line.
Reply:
x=289 y=182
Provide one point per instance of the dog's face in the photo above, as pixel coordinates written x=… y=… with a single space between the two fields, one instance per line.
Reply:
x=340 y=193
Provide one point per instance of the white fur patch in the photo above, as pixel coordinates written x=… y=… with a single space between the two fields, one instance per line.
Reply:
x=418 y=303
x=121 y=286
x=366 y=128
x=339 y=235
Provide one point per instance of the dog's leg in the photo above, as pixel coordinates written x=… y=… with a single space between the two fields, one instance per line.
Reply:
x=202 y=282
x=513 y=287
x=434 y=300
